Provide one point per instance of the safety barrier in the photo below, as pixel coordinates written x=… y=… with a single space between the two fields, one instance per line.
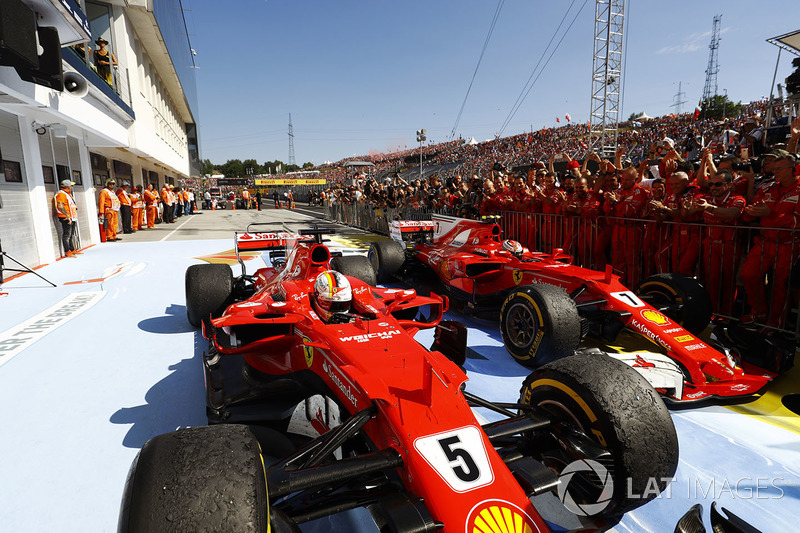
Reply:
x=747 y=270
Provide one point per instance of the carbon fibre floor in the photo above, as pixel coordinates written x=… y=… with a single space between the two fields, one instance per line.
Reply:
x=90 y=369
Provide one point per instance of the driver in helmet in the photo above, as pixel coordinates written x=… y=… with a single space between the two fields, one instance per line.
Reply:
x=332 y=297
x=513 y=246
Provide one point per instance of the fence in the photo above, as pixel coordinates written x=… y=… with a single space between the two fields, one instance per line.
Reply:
x=743 y=268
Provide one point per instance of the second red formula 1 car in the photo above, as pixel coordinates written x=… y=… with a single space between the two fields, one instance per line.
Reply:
x=309 y=362
x=547 y=305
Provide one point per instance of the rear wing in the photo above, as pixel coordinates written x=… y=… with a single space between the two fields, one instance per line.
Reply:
x=275 y=242
x=415 y=231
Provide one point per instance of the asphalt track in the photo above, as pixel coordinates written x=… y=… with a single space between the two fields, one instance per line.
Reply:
x=91 y=369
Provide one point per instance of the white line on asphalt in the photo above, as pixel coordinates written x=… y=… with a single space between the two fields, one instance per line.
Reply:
x=176 y=229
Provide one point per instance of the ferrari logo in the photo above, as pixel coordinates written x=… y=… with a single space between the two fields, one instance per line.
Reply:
x=308 y=351
x=655 y=317
x=495 y=516
x=517 y=277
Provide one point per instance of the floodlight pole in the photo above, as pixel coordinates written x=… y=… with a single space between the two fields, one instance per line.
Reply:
x=606 y=76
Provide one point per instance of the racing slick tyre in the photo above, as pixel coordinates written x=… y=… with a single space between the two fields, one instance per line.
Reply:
x=614 y=406
x=355 y=266
x=688 y=301
x=209 y=290
x=386 y=258
x=539 y=323
x=208 y=478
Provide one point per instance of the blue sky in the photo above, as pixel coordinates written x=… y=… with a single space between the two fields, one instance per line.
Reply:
x=361 y=77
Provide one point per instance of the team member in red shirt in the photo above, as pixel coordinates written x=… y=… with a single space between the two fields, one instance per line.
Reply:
x=774 y=251
x=656 y=233
x=684 y=245
x=581 y=210
x=550 y=196
x=721 y=208
x=627 y=202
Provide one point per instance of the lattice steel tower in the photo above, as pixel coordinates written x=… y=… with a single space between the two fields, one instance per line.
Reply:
x=710 y=88
x=609 y=17
x=291 y=142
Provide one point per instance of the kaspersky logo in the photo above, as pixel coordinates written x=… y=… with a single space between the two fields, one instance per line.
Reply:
x=593 y=468
x=498 y=516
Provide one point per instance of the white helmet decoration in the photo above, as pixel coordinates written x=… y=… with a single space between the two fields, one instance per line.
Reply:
x=332 y=293
x=512 y=246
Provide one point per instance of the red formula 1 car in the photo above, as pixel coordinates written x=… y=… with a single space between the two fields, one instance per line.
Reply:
x=547 y=305
x=365 y=416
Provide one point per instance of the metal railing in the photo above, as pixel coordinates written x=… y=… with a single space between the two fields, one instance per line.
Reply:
x=747 y=270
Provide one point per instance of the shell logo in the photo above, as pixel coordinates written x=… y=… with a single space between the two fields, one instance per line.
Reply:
x=497 y=516
x=655 y=317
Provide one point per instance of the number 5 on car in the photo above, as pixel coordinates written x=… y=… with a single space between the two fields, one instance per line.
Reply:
x=459 y=457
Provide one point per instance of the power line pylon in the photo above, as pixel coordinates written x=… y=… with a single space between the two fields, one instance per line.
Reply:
x=604 y=112
x=678 y=104
x=291 y=142
x=710 y=88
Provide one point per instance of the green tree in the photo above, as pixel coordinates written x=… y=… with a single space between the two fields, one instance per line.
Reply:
x=634 y=116
x=719 y=107
x=308 y=165
x=252 y=164
x=234 y=168
x=206 y=167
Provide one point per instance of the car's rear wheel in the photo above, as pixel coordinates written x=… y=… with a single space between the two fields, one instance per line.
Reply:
x=208 y=478
x=355 y=266
x=683 y=298
x=209 y=290
x=539 y=323
x=386 y=258
x=613 y=405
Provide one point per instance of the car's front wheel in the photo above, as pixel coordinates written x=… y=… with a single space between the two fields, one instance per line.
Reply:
x=612 y=405
x=209 y=290
x=683 y=298
x=208 y=478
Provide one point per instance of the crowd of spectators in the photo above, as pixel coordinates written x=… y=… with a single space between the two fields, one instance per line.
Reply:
x=676 y=197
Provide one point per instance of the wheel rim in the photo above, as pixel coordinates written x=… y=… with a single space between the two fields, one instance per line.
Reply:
x=521 y=325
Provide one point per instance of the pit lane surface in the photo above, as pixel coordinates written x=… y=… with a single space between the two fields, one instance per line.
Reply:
x=91 y=369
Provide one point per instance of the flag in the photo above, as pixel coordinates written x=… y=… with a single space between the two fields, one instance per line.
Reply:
x=696 y=112
x=568 y=117
x=557 y=120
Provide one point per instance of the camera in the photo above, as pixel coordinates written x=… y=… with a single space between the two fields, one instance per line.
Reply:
x=752 y=165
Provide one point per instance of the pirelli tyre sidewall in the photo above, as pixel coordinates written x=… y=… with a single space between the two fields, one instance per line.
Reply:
x=694 y=304
x=209 y=290
x=355 y=266
x=386 y=258
x=208 y=478
x=539 y=323
x=615 y=406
